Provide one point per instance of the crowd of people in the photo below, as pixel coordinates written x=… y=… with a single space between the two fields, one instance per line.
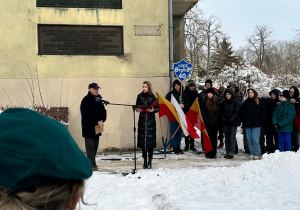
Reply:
x=269 y=121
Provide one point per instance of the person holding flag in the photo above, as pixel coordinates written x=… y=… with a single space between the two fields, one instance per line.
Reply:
x=183 y=100
x=210 y=114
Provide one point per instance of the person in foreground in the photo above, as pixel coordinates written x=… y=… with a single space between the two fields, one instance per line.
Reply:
x=147 y=124
x=41 y=165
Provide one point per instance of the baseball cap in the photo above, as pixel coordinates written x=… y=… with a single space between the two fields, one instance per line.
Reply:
x=94 y=85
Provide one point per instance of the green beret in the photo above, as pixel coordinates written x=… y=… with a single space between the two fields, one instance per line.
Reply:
x=37 y=151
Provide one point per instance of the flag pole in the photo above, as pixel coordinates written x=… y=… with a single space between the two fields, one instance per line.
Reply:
x=175 y=132
x=161 y=128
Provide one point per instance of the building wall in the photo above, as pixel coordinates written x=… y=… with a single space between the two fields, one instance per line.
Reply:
x=63 y=80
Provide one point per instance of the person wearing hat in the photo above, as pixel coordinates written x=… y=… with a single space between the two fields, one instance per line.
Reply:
x=192 y=93
x=210 y=113
x=93 y=113
x=252 y=117
x=184 y=102
x=283 y=120
x=271 y=134
x=41 y=165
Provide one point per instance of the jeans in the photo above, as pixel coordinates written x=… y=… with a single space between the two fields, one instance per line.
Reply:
x=230 y=140
x=91 y=146
x=284 y=141
x=176 y=140
x=253 y=135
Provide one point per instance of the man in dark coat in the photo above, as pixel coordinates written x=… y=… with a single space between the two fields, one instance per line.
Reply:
x=93 y=113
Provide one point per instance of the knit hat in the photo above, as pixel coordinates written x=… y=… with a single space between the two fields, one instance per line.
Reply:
x=210 y=90
x=221 y=89
x=209 y=81
x=37 y=151
x=192 y=84
x=274 y=91
x=285 y=94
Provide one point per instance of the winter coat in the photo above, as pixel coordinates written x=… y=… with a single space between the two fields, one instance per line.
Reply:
x=253 y=114
x=230 y=110
x=147 y=123
x=284 y=116
x=270 y=108
x=239 y=98
x=210 y=118
x=185 y=99
x=193 y=95
x=91 y=113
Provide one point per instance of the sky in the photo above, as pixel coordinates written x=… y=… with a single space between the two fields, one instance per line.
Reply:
x=239 y=17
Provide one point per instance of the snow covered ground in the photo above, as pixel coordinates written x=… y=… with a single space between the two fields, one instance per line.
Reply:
x=190 y=181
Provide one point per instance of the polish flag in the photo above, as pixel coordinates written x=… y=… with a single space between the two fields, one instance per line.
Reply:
x=186 y=125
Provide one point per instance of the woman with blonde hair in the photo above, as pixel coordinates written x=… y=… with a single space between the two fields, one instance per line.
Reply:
x=253 y=114
x=42 y=166
x=147 y=123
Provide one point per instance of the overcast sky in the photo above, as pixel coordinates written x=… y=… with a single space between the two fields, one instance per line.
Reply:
x=239 y=17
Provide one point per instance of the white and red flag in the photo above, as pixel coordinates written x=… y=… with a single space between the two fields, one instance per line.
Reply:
x=186 y=125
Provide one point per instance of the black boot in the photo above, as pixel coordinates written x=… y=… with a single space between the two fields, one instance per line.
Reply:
x=186 y=148
x=192 y=145
x=145 y=163
x=150 y=163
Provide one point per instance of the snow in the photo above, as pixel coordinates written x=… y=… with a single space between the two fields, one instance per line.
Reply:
x=190 y=181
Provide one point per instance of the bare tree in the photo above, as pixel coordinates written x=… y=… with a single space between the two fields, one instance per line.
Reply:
x=258 y=45
x=211 y=32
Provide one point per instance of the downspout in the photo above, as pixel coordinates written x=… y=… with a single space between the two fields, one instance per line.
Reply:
x=171 y=70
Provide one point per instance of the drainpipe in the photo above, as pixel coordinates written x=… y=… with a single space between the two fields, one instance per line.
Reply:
x=171 y=70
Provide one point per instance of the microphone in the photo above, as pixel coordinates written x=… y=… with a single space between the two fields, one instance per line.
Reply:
x=100 y=100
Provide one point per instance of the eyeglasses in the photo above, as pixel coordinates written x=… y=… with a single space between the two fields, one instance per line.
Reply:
x=292 y=92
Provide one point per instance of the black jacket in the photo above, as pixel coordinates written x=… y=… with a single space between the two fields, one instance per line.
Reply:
x=270 y=108
x=91 y=113
x=193 y=95
x=185 y=99
x=209 y=118
x=230 y=110
x=147 y=123
x=253 y=115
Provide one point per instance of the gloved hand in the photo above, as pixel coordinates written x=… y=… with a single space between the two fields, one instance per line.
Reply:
x=277 y=126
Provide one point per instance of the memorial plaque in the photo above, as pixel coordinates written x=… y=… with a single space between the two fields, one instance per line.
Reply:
x=80 y=40
x=107 y=4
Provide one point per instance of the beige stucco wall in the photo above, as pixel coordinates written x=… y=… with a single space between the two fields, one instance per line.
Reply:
x=64 y=79
x=70 y=91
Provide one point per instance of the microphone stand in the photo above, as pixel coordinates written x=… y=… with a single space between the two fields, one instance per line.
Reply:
x=134 y=107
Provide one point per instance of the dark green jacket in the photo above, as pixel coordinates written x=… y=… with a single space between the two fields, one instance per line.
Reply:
x=284 y=116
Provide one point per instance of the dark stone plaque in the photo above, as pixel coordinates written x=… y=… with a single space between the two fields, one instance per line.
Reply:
x=80 y=40
x=107 y=4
